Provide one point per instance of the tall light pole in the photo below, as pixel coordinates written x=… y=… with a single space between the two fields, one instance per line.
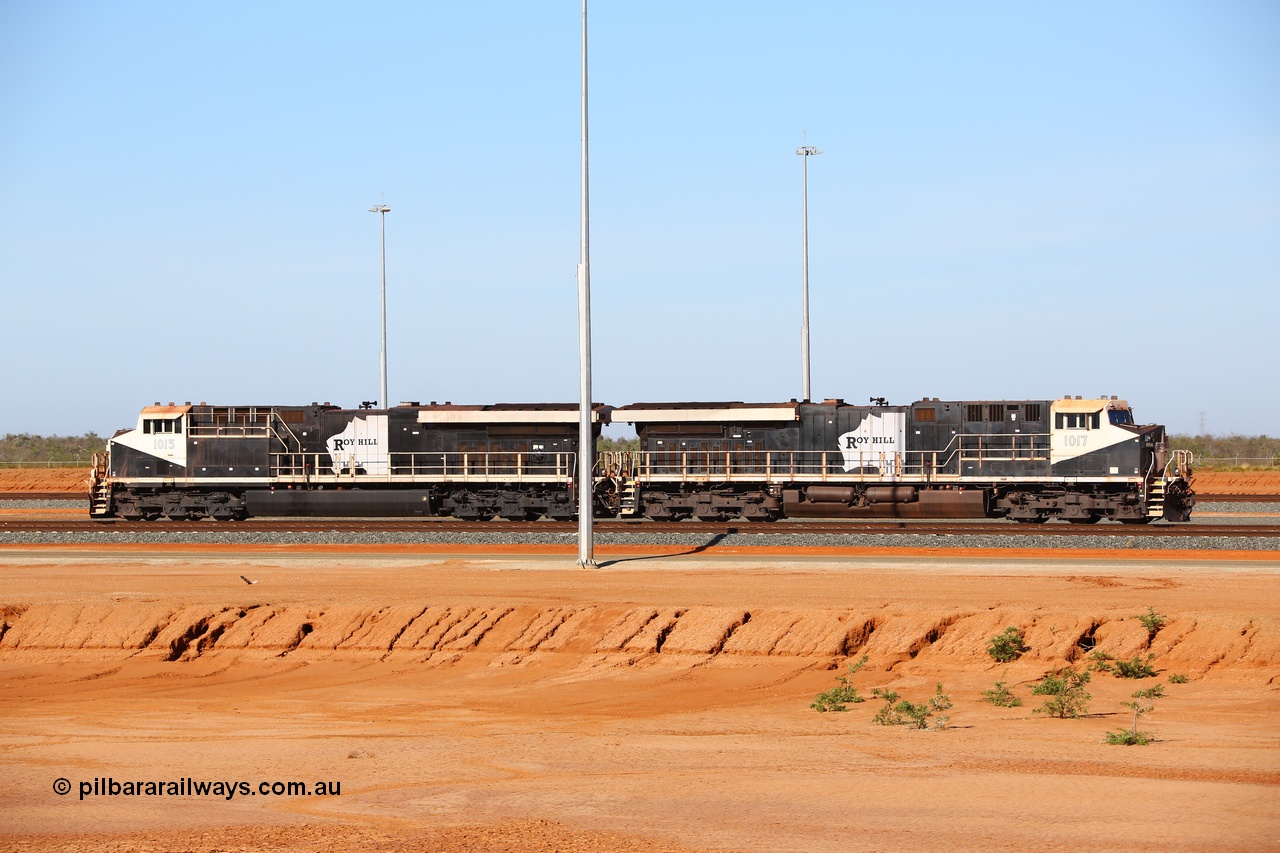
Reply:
x=383 y=209
x=806 y=151
x=586 y=442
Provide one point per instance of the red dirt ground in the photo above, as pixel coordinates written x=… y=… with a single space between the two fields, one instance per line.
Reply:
x=660 y=703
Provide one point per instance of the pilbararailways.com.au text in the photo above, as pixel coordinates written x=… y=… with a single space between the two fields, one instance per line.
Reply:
x=188 y=787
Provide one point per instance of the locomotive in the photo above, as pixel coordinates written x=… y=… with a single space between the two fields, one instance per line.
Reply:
x=1079 y=460
x=232 y=462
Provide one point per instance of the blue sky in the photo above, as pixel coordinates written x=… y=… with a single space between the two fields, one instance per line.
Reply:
x=1015 y=200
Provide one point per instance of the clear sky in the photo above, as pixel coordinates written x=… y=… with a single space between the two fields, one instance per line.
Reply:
x=1014 y=200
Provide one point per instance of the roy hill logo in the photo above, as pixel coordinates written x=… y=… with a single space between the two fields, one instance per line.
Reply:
x=359 y=446
x=874 y=444
x=343 y=443
x=853 y=442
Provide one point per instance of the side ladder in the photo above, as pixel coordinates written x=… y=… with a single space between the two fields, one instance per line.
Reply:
x=99 y=488
x=1155 y=498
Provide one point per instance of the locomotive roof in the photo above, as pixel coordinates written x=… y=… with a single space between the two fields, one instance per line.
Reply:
x=169 y=411
x=684 y=412
x=1094 y=404
x=510 y=413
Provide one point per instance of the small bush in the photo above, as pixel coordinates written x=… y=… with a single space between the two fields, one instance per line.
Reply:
x=1001 y=696
x=1067 y=696
x=1143 y=703
x=1136 y=667
x=906 y=713
x=843 y=694
x=1101 y=662
x=1128 y=737
x=1178 y=678
x=1007 y=646
x=888 y=715
x=1152 y=621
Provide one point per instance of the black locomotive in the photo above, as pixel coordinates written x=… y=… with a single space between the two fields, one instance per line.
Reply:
x=231 y=462
x=1082 y=460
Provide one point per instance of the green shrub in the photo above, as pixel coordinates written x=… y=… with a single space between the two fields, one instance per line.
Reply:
x=1178 y=678
x=1001 y=696
x=888 y=715
x=1006 y=646
x=1127 y=737
x=843 y=694
x=1143 y=703
x=1152 y=621
x=1067 y=696
x=1101 y=662
x=914 y=714
x=1136 y=667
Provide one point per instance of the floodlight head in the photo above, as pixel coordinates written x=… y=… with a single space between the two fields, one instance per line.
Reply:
x=380 y=208
x=806 y=150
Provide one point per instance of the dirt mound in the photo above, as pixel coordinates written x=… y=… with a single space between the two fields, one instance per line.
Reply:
x=70 y=480
x=603 y=636
x=1235 y=483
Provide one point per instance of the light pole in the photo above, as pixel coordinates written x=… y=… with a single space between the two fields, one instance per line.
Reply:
x=586 y=443
x=806 y=151
x=383 y=209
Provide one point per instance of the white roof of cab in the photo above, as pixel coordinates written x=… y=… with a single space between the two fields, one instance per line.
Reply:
x=164 y=411
x=1094 y=405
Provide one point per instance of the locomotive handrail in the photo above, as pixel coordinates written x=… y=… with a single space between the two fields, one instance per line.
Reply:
x=229 y=430
x=297 y=443
x=781 y=466
x=441 y=466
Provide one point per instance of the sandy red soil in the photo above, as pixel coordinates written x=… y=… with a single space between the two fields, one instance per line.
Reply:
x=507 y=702
x=1234 y=483
x=44 y=480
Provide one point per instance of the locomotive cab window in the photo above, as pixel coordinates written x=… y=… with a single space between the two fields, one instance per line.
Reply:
x=1120 y=416
x=1078 y=420
x=162 y=425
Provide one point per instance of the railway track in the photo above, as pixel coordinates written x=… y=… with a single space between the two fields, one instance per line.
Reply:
x=78 y=496
x=569 y=529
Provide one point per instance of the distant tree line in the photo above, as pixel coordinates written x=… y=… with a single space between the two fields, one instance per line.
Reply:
x=607 y=444
x=72 y=449
x=1221 y=451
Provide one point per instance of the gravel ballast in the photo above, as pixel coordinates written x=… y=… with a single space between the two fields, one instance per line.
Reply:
x=674 y=538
